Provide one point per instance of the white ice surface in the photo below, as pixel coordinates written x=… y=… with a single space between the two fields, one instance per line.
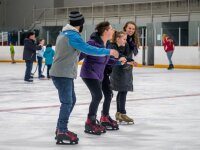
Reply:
x=165 y=106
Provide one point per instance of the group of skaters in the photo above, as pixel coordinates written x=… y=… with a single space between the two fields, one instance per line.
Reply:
x=107 y=66
x=33 y=48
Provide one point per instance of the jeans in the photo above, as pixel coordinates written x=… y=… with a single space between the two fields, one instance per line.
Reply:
x=65 y=87
x=121 y=102
x=39 y=66
x=29 y=66
x=169 y=56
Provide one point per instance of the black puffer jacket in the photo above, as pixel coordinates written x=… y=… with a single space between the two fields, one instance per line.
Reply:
x=29 y=50
x=121 y=77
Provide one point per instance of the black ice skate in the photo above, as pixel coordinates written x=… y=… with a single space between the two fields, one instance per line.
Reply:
x=56 y=132
x=66 y=138
x=109 y=123
x=92 y=126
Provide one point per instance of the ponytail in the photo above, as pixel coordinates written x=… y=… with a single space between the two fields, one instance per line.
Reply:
x=117 y=34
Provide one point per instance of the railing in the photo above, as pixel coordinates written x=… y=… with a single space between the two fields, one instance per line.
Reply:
x=100 y=10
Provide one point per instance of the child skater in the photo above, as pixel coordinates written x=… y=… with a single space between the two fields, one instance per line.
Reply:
x=48 y=55
x=40 y=53
x=122 y=77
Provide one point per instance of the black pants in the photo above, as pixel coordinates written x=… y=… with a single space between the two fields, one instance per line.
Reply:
x=48 y=69
x=39 y=66
x=121 y=101
x=94 y=86
x=29 y=66
x=108 y=94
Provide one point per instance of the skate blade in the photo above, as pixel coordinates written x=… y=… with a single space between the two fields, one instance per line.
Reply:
x=26 y=82
x=109 y=128
x=90 y=132
x=62 y=142
x=112 y=129
x=126 y=123
x=43 y=78
x=103 y=131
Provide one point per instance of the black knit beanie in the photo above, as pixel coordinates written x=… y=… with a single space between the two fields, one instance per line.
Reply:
x=76 y=18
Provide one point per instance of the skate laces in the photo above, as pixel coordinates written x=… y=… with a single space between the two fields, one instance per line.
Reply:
x=94 y=124
x=71 y=135
x=111 y=120
x=100 y=126
x=105 y=119
x=126 y=117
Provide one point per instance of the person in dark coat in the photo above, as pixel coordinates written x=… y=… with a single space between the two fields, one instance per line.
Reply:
x=92 y=73
x=121 y=76
x=29 y=55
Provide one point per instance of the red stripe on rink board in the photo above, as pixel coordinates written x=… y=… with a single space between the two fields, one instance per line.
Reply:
x=52 y=106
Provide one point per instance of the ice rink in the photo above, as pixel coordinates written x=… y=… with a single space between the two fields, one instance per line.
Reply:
x=165 y=106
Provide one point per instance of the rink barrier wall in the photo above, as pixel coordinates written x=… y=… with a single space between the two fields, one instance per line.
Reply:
x=183 y=57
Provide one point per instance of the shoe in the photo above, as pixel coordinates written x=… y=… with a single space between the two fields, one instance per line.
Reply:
x=56 y=132
x=171 y=66
x=108 y=123
x=66 y=137
x=92 y=126
x=117 y=116
x=126 y=118
x=28 y=80
x=41 y=76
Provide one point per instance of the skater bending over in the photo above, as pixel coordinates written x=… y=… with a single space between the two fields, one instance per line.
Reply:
x=92 y=73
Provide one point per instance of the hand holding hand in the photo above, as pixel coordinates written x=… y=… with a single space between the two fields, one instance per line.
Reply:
x=114 y=53
x=123 y=60
x=133 y=63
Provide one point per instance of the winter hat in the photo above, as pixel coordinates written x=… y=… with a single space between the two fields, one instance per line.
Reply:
x=76 y=18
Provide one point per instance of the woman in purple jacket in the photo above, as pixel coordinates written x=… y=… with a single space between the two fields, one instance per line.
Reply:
x=92 y=73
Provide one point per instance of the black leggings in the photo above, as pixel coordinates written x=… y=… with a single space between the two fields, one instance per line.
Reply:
x=94 y=86
x=121 y=101
x=48 y=69
x=108 y=94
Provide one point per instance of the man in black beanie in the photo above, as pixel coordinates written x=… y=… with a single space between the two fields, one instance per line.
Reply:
x=69 y=44
x=76 y=19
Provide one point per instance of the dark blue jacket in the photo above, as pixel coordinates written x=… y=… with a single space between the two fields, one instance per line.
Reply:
x=29 y=50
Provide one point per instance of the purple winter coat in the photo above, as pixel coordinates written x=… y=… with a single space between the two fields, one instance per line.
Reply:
x=93 y=66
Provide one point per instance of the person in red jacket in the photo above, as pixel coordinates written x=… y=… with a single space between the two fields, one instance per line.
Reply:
x=168 y=44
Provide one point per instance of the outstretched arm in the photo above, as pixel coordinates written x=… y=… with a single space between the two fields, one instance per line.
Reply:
x=77 y=42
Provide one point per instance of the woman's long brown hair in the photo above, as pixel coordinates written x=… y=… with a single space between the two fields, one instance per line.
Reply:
x=135 y=36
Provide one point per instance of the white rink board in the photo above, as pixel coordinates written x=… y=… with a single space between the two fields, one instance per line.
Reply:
x=182 y=55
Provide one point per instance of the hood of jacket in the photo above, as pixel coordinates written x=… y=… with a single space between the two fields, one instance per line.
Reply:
x=69 y=27
x=48 y=50
x=96 y=40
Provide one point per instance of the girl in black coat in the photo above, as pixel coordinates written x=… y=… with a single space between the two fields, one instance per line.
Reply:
x=122 y=77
